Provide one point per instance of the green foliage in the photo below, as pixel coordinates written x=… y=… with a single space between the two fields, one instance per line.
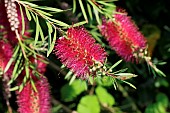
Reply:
x=161 y=82
x=70 y=92
x=162 y=99
x=160 y=105
x=104 y=97
x=89 y=104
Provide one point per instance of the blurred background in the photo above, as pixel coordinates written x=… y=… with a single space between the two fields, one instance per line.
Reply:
x=152 y=93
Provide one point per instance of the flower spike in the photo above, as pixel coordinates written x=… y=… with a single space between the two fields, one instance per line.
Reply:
x=29 y=100
x=123 y=36
x=79 y=52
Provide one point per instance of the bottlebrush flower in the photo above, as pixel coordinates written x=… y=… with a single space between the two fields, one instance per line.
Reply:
x=123 y=36
x=30 y=101
x=79 y=52
x=5 y=56
x=11 y=20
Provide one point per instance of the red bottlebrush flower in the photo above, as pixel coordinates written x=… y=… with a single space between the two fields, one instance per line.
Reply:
x=11 y=20
x=30 y=101
x=79 y=52
x=5 y=56
x=123 y=36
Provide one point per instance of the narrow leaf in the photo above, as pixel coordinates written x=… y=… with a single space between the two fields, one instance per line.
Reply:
x=129 y=84
x=33 y=85
x=89 y=11
x=42 y=35
x=49 y=36
x=12 y=59
x=74 y=6
x=37 y=31
x=83 y=10
x=23 y=84
x=116 y=64
x=53 y=43
x=28 y=14
x=14 y=88
x=27 y=69
x=79 y=24
x=17 y=65
x=28 y=3
x=42 y=13
x=23 y=20
x=50 y=29
x=72 y=79
x=68 y=74
x=50 y=9
x=60 y=23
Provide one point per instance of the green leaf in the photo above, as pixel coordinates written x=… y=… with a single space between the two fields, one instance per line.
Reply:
x=151 y=109
x=160 y=108
x=90 y=11
x=68 y=75
x=95 y=7
x=79 y=24
x=163 y=99
x=116 y=64
x=23 y=20
x=50 y=9
x=83 y=10
x=42 y=13
x=23 y=84
x=50 y=30
x=33 y=85
x=12 y=59
x=161 y=82
x=70 y=92
x=104 y=97
x=96 y=13
x=129 y=84
x=16 y=67
x=27 y=69
x=28 y=14
x=72 y=79
x=125 y=76
x=74 y=6
x=37 y=30
x=105 y=81
x=88 y=104
x=59 y=23
x=120 y=71
x=53 y=43
x=106 y=4
x=28 y=3
x=155 y=108
x=42 y=35
x=160 y=72
x=14 y=88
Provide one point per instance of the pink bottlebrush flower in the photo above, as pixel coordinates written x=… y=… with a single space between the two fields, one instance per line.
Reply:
x=11 y=20
x=30 y=101
x=79 y=52
x=6 y=53
x=123 y=36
